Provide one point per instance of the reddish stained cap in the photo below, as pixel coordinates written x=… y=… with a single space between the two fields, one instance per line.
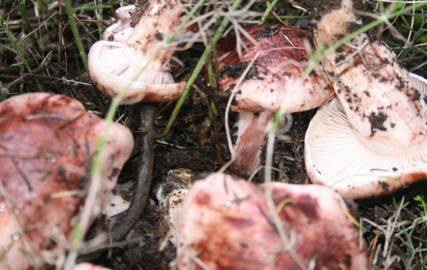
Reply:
x=47 y=142
x=226 y=224
x=276 y=80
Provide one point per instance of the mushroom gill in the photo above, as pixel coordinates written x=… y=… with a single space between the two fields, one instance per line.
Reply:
x=134 y=61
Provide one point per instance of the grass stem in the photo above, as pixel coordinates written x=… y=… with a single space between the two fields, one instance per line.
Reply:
x=77 y=39
x=199 y=66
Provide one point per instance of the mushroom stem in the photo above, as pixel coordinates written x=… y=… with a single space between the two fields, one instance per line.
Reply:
x=251 y=135
x=145 y=174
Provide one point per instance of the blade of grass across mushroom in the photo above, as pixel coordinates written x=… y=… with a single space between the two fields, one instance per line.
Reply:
x=28 y=251
x=199 y=67
x=284 y=234
x=111 y=63
x=249 y=115
x=80 y=229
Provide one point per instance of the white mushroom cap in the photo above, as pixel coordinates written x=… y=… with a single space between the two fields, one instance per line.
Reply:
x=137 y=60
x=122 y=29
x=359 y=165
x=124 y=14
x=226 y=224
x=381 y=98
x=118 y=31
x=371 y=140
x=115 y=67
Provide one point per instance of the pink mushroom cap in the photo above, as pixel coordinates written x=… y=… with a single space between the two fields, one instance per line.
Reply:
x=47 y=142
x=226 y=224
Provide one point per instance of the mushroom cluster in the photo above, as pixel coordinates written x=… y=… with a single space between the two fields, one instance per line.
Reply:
x=274 y=62
x=47 y=142
x=368 y=140
x=371 y=140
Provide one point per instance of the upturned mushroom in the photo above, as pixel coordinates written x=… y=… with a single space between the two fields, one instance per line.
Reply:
x=135 y=59
x=275 y=82
x=47 y=142
x=372 y=139
x=226 y=224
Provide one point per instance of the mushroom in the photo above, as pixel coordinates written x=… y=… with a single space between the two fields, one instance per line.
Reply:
x=371 y=140
x=47 y=142
x=170 y=194
x=226 y=224
x=384 y=151
x=137 y=62
x=275 y=82
x=122 y=29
